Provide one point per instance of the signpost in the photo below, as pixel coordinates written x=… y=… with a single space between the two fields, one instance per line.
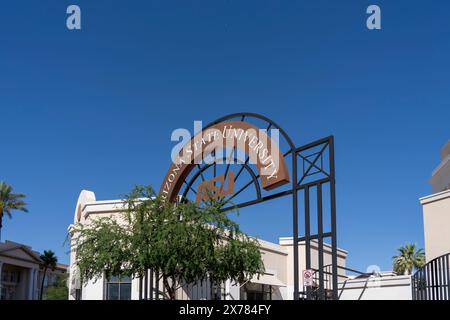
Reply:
x=308 y=277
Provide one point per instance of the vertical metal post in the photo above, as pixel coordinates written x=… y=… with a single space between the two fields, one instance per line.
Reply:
x=447 y=271
x=214 y=166
x=307 y=239
x=427 y=272
x=423 y=284
x=439 y=269
x=443 y=283
x=295 y=223
x=320 y=239
x=433 y=281
x=140 y=288
x=419 y=285
x=146 y=285
x=436 y=279
x=151 y=284
x=333 y=220
x=446 y=278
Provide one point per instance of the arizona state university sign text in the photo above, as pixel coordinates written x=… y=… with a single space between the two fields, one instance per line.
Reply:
x=260 y=148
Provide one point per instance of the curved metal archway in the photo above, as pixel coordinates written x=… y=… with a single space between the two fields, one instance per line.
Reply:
x=312 y=156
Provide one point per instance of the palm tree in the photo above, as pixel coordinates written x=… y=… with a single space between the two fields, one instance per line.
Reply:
x=409 y=258
x=9 y=201
x=49 y=260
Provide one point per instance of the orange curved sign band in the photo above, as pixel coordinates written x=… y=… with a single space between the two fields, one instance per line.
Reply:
x=261 y=149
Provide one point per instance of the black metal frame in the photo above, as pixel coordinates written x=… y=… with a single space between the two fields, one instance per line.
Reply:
x=432 y=281
x=314 y=161
x=327 y=274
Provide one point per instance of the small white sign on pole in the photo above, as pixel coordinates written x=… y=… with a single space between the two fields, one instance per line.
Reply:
x=308 y=277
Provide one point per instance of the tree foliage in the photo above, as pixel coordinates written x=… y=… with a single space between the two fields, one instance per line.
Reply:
x=185 y=243
x=49 y=261
x=59 y=290
x=10 y=201
x=409 y=257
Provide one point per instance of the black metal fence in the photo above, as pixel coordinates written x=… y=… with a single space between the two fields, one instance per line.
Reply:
x=432 y=282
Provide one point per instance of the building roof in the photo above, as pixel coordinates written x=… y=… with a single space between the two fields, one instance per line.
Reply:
x=435 y=197
x=9 y=246
x=445 y=151
x=62 y=266
x=440 y=177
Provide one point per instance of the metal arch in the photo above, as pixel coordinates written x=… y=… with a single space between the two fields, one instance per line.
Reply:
x=206 y=166
x=432 y=281
x=296 y=187
x=258 y=116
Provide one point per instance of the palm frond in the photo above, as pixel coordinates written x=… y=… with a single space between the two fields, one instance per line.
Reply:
x=409 y=257
x=10 y=201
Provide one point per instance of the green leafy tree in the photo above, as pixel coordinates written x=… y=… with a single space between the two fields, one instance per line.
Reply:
x=59 y=290
x=9 y=201
x=184 y=243
x=409 y=257
x=49 y=261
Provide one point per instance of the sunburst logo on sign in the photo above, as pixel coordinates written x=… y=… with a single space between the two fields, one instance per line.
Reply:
x=215 y=188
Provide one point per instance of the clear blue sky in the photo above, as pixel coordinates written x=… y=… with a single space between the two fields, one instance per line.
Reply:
x=94 y=109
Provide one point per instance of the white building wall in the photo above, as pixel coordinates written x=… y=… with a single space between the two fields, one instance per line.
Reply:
x=93 y=290
x=135 y=289
x=436 y=209
x=436 y=223
x=376 y=288
x=277 y=258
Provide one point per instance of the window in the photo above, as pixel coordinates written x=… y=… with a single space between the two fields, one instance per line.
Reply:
x=118 y=288
x=16 y=277
x=256 y=291
x=3 y=293
x=11 y=276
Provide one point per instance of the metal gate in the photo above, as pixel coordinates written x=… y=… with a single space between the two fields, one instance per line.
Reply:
x=312 y=189
x=432 y=282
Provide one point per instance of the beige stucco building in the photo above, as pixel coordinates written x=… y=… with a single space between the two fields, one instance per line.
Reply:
x=276 y=283
x=21 y=272
x=436 y=209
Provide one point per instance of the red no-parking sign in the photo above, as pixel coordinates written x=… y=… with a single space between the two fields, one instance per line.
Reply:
x=308 y=277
